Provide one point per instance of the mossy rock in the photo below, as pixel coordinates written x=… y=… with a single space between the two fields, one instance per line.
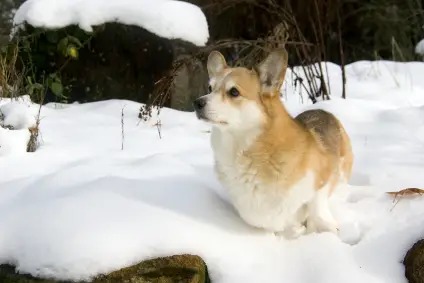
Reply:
x=414 y=263
x=173 y=269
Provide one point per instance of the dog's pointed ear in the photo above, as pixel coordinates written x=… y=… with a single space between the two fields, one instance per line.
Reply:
x=216 y=63
x=272 y=70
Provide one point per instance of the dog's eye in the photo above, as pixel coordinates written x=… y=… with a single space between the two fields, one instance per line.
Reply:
x=209 y=88
x=233 y=92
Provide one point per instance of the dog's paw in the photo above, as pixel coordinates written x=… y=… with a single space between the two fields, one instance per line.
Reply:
x=329 y=227
x=292 y=233
x=319 y=225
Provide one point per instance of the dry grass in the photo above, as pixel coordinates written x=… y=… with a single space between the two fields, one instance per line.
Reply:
x=33 y=142
x=404 y=193
x=12 y=87
x=11 y=80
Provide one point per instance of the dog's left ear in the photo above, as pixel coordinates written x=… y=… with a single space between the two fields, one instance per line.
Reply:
x=216 y=63
x=272 y=70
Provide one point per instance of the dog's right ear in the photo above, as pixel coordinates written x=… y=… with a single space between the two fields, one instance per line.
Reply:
x=216 y=63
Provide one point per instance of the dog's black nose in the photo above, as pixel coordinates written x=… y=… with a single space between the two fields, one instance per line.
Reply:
x=199 y=103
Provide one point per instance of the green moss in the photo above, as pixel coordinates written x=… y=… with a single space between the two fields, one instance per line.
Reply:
x=181 y=268
x=8 y=275
x=414 y=263
x=173 y=269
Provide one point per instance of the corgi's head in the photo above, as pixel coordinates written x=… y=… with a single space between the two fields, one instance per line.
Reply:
x=236 y=95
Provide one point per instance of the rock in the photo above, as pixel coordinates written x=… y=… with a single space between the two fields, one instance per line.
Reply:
x=8 y=275
x=414 y=263
x=172 y=269
x=115 y=62
x=190 y=82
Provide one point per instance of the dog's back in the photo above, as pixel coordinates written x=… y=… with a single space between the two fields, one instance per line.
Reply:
x=330 y=136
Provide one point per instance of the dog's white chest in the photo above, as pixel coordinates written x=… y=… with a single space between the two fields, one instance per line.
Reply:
x=261 y=202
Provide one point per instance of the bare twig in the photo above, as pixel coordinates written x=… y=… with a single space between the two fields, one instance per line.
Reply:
x=342 y=63
x=35 y=131
x=158 y=126
x=122 y=128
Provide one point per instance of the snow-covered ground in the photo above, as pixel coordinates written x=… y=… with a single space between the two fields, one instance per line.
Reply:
x=80 y=206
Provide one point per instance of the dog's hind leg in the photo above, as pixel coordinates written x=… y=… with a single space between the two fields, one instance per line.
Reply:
x=320 y=218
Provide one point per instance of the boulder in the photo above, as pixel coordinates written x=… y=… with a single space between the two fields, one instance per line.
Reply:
x=116 y=61
x=414 y=263
x=172 y=269
x=190 y=82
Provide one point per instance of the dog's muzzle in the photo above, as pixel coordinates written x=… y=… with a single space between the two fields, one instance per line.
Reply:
x=199 y=105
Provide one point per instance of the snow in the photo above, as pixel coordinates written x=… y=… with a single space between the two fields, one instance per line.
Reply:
x=17 y=113
x=80 y=206
x=16 y=116
x=419 y=48
x=166 y=18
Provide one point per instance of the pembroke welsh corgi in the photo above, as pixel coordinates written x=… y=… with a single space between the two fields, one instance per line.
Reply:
x=278 y=171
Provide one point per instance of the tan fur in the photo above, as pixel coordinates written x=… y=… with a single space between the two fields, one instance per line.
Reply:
x=331 y=140
x=315 y=140
x=271 y=151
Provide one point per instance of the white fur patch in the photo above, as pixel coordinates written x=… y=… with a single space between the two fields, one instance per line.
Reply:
x=269 y=206
x=229 y=84
x=212 y=81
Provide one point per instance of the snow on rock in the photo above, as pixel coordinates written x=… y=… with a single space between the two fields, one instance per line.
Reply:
x=166 y=18
x=82 y=206
x=16 y=116
x=419 y=48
